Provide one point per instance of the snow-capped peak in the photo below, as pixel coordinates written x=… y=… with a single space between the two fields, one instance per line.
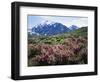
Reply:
x=47 y=22
x=51 y=28
x=43 y=23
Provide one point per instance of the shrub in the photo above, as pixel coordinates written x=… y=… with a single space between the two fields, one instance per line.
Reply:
x=72 y=51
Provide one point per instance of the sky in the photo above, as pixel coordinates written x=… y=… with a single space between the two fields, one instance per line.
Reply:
x=65 y=20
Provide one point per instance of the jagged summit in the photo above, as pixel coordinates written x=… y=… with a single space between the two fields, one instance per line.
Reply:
x=48 y=28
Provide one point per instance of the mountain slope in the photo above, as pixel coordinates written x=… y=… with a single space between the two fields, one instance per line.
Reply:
x=80 y=32
x=50 y=29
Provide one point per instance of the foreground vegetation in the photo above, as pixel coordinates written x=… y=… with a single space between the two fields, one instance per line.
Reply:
x=62 y=49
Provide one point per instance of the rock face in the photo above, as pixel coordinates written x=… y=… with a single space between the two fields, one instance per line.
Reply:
x=51 y=28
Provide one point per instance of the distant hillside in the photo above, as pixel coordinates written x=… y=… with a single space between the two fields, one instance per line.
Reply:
x=80 y=32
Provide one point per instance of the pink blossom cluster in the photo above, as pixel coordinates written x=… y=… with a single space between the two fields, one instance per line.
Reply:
x=72 y=50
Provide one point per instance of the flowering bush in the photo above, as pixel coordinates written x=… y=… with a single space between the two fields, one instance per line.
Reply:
x=71 y=51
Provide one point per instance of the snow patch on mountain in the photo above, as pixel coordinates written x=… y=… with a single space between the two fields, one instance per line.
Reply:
x=51 y=28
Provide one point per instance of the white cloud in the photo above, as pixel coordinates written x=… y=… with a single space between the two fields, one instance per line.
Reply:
x=65 y=20
x=68 y=21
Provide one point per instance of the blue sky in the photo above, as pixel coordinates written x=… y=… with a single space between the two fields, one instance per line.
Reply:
x=65 y=20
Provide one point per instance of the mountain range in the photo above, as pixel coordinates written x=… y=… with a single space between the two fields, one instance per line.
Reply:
x=48 y=28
